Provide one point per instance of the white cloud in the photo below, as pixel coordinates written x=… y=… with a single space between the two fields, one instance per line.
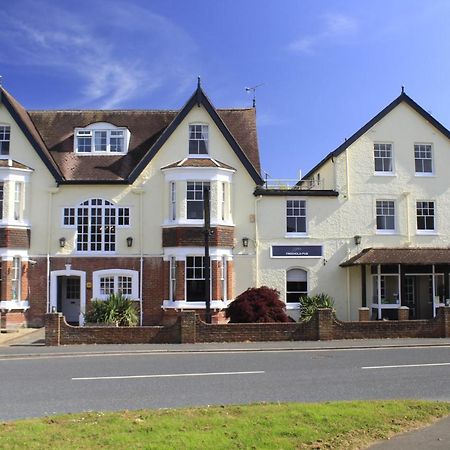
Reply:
x=334 y=26
x=117 y=53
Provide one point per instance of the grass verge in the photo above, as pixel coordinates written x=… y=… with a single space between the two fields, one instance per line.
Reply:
x=331 y=425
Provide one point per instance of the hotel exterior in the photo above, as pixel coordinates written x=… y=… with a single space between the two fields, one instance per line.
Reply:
x=95 y=202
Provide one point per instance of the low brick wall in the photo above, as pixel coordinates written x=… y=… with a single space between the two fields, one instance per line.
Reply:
x=190 y=329
x=58 y=332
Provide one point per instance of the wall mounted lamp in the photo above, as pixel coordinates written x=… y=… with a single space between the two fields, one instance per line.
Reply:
x=62 y=242
x=245 y=242
x=357 y=239
x=129 y=241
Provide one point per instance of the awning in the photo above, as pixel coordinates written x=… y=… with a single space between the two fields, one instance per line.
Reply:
x=415 y=256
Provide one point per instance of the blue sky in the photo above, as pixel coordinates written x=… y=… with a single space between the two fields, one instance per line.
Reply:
x=326 y=66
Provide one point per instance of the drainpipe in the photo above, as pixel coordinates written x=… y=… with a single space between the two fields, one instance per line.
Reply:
x=348 y=284
x=408 y=221
x=257 y=199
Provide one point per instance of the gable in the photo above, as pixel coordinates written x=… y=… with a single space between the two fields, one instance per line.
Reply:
x=401 y=99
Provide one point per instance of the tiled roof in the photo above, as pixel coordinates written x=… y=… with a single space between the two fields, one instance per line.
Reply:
x=416 y=256
x=13 y=164
x=199 y=162
x=53 y=135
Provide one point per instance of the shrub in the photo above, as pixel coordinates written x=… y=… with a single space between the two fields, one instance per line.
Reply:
x=117 y=310
x=261 y=304
x=309 y=305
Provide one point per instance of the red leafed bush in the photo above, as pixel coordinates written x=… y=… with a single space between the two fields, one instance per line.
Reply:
x=261 y=304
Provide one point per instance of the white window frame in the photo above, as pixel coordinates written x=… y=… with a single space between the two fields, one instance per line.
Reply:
x=115 y=274
x=204 y=126
x=223 y=277
x=425 y=230
x=5 y=136
x=103 y=127
x=16 y=278
x=383 y=158
x=305 y=216
x=223 y=201
x=69 y=212
x=19 y=189
x=386 y=230
x=203 y=183
x=172 y=278
x=186 y=279
x=423 y=173
x=173 y=201
x=295 y=304
x=2 y=199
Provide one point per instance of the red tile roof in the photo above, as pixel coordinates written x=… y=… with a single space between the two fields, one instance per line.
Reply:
x=53 y=133
x=416 y=256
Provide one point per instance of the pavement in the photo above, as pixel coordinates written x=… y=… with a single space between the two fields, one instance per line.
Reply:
x=435 y=436
x=30 y=341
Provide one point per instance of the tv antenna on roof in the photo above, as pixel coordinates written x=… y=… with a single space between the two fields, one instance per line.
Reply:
x=253 y=89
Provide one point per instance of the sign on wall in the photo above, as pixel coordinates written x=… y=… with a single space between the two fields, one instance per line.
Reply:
x=296 y=251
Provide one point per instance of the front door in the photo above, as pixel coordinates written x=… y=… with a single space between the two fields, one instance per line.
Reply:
x=69 y=298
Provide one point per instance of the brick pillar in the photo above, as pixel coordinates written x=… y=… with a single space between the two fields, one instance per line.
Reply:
x=364 y=314
x=188 y=327
x=403 y=313
x=180 y=275
x=166 y=279
x=230 y=280
x=443 y=315
x=325 y=324
x=216 y=281
x=53 y=329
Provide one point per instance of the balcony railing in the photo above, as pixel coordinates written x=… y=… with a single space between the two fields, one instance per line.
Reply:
x=289 y=184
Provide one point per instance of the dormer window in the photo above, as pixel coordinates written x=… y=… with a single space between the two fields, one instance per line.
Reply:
x=198 y=139
x=101 y=138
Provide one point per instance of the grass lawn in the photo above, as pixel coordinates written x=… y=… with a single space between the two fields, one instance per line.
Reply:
x=331 y=425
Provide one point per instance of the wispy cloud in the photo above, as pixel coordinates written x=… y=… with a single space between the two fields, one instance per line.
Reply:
x=334 y=26
x=117 y=53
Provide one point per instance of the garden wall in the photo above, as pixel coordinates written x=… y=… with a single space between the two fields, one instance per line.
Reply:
x=190 y=329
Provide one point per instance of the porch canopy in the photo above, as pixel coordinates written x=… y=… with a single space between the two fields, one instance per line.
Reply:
x=412 y=256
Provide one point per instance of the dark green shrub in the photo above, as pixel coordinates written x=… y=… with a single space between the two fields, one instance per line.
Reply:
x=261 y=304
x=117 y=310
x=309 y=305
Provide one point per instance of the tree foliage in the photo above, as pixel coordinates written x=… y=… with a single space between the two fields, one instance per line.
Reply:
x=261 y=304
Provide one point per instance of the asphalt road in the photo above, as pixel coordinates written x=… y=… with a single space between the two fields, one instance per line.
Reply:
x=37 y=385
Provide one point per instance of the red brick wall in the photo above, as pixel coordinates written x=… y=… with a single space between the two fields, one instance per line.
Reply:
x=222 y=236
x=14 y=238
x=180 y=277
x=58 y=332
x=189 y=328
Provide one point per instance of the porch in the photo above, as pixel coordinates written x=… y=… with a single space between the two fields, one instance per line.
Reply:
x=418 y=278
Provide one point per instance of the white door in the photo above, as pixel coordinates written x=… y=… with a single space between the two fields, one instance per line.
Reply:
x=70 y=298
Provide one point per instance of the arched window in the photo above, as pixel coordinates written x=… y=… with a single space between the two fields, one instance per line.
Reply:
x=96 y=221
x=296 y=285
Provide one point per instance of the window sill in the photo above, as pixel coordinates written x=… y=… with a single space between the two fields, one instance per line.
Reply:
x=293 y=306
x=100 y=153
x=427 y=233
x=9 y=305
x=425 y=174
x=386 y=232
x=384 y=174
x=215 y=304
x=296 y=235
x=199 y=155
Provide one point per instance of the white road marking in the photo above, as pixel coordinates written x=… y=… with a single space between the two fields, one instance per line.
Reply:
x=168 y=375
x=407 y=365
